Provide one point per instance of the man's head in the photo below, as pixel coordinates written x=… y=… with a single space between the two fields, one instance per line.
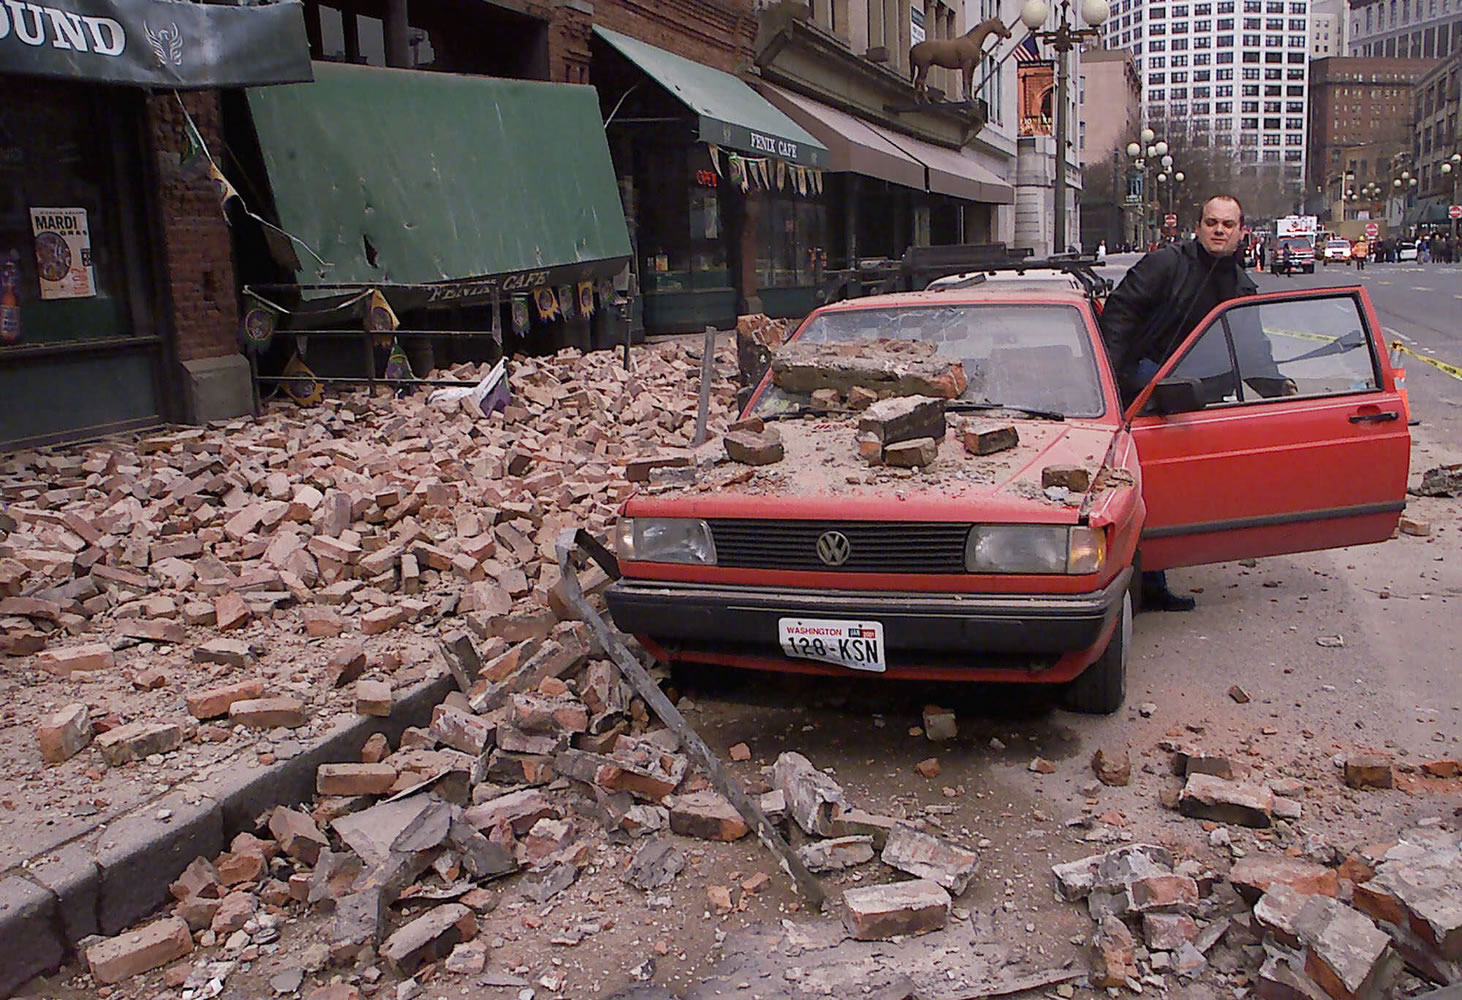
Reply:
x=1221 y=225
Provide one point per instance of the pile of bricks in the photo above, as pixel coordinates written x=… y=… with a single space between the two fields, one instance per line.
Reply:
x=350 y=519
x=1338 y=925
x=525 y=793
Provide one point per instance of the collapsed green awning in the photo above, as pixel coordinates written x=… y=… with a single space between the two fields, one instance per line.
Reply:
x=153 y=43
x=404 y=177
x=730 y=113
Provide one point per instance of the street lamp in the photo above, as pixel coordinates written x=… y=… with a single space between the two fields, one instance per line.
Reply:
x=1034 y=14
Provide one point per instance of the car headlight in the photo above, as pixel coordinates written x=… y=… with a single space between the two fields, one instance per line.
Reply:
x=665 y=539
x=1034 y=548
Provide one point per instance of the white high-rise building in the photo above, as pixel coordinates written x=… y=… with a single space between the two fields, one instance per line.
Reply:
x=1405 y=29
x=1234 y=73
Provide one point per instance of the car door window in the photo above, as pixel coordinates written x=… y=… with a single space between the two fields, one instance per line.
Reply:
x=1268 y=350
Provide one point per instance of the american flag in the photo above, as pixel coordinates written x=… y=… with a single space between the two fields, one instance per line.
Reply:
x=1029 y=51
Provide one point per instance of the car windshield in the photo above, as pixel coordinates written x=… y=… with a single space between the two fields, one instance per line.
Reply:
x=1338 y=244
x=1031 y=357
x=1294 y=243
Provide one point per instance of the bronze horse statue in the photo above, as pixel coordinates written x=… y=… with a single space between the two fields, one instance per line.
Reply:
x=962 y=53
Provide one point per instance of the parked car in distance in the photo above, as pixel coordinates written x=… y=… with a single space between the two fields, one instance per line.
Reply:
x=1406 y=250
x=1337 y=249
x=1010 y=547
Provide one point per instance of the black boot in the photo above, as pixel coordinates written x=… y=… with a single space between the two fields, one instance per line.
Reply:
x=1157 y=597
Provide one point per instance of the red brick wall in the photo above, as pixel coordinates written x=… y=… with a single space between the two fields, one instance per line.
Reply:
x=197 y=254
x=716 y=33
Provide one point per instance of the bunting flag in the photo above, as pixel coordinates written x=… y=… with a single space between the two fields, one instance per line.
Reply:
x=817 y=180
x=518 y=310
x=546 y=302
x=586 y=299
x=715 y=157
x=566 y=301
x=781 y=175
x=379 y=315
x=193 y=149
x=606 y=292
x=260 y=321
x=398 y=365
x=302 y=385
x=224 y=189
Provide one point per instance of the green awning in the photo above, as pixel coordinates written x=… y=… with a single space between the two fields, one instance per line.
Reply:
x=152 y=43
x=730 y=113
x=403 y=177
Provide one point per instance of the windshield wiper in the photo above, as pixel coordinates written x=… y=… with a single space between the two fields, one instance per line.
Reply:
x=966 y=405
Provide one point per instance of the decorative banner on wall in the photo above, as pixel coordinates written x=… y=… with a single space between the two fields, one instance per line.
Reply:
x=519 y=312
x=566 y=301
x=260 y=320
x=546 y=302
x=63 y=253
x=586 y=298
x=379 y=314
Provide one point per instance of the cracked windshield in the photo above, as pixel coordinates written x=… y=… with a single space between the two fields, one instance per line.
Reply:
x=1021 y=357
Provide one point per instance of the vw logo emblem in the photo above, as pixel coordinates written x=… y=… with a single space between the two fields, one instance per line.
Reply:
x=833 y=548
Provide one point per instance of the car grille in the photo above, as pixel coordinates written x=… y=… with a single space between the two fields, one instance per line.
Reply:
x=873 y=546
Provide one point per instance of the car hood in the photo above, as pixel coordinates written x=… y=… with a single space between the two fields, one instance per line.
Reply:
x=821 y=475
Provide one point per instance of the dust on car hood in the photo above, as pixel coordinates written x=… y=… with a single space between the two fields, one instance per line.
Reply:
x=821 y=462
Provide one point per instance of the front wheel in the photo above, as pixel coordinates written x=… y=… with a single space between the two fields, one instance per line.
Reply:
x=1101 y=688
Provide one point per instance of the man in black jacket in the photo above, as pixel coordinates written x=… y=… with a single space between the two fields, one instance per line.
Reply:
x=1156 y=306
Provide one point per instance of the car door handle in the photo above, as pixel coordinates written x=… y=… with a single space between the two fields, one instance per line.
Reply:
x=1378 y=417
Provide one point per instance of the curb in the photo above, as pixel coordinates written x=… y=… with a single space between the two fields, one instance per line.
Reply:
x=104 y=881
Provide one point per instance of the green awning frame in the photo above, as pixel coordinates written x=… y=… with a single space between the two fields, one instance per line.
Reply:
x=729 y=112
x=402 y=177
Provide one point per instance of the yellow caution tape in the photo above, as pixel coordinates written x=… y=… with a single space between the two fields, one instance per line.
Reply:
x=1304 y=336
x=1451 y=370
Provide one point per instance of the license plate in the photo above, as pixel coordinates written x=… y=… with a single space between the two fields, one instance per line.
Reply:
x=857 y=645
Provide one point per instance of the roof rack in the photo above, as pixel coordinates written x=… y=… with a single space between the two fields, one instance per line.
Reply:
x=921 y=266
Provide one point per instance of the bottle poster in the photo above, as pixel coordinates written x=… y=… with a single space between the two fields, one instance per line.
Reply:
x=63 y=253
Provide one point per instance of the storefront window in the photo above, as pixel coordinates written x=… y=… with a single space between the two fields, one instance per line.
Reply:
x=680 y=221
x=792 y=235
x=61 y=273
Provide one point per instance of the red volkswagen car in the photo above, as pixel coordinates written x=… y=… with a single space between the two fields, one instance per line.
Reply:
x=1276 y=427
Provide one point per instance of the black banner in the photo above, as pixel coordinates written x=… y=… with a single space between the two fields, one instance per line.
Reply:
x=155 y=43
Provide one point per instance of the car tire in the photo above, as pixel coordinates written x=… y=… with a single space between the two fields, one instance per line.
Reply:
x=1101 y=688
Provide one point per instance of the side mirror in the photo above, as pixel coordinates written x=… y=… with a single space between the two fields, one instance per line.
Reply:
x=1177 y=395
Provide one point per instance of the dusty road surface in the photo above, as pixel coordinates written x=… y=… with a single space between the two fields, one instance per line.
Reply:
x=1297 y=679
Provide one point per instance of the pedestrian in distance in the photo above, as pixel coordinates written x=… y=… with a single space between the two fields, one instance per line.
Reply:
x=1101 y=254
x=1156 y=305
x=1358 y=251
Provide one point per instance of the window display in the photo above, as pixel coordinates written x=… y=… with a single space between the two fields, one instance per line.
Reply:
x=681 y=228
x=61 y=278
x=792 y=237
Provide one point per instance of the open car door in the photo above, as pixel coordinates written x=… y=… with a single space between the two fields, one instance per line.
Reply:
x=1281 y=431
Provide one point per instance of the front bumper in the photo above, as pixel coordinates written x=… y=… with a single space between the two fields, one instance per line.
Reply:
x=1023 y=624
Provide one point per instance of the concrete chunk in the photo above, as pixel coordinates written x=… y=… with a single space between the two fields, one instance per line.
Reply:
x=65 y=662
x=924 y=856
x=1346 y=954
x=268 y=713
x=1207 y=797
x=705 y=815
x=65 y=733
x=836 y=854
x=752 y=448
x=989 y=438
x=914 y=454
x=904 y=418
x=133 y=952
x=137 y=740
x=814 y=799
x=880 y=912
x=1258 y=873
